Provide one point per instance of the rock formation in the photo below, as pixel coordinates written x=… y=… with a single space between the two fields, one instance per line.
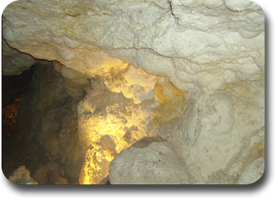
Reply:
x=46 y=123
x=190 y=73
x=22 y=176
x=148 y=161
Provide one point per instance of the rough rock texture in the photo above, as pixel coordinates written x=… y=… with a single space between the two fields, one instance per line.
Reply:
x=14 y=62
x=207 y=43
x=216 y=133
x=110 y=122
x=203 y=93
x=75 y=82
x=46 y=127
x=217 y=136
x=21 y=176
x=252 y=172
x=45 y=104
x=148 y=161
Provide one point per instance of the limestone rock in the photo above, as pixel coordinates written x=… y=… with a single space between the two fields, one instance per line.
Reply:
x=218 y=132
x=106 y=113
x=110 y=122
x=74 y=81
x=207 y=43
x=148 y=161
x=239 y=5
x=15 y=62
x=57 y=66
x=201 y=88
x=21 y=176
x=252 y=172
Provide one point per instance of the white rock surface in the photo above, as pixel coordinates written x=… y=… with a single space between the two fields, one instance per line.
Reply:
x=212 y=49
x=239 y=5
x=148 y=162
x=15 y=62
x=75 y=82
x=253 y=172
x=215 y=131
x=205 y=42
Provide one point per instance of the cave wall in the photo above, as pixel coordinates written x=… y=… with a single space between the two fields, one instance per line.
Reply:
x=205 y=42
x=202 y=82
x=15 y=62
x=46 y=128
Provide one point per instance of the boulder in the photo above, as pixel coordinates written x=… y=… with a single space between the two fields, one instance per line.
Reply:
x=148 y=161
x=22 y=176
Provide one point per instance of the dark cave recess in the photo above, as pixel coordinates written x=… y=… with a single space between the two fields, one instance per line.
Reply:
x=13 y=88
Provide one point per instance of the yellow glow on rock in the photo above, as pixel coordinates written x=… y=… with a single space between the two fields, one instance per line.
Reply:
x=171 y=101
x=96 y=165
x=108 y=135
x=110 y=122
x=112 y=117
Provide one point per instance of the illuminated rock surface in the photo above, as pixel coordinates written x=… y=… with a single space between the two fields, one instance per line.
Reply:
x=203 y=92
x=110 y=122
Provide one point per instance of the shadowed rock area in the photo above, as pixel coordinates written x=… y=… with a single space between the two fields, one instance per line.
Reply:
x=190 y=74
x=46 y=125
